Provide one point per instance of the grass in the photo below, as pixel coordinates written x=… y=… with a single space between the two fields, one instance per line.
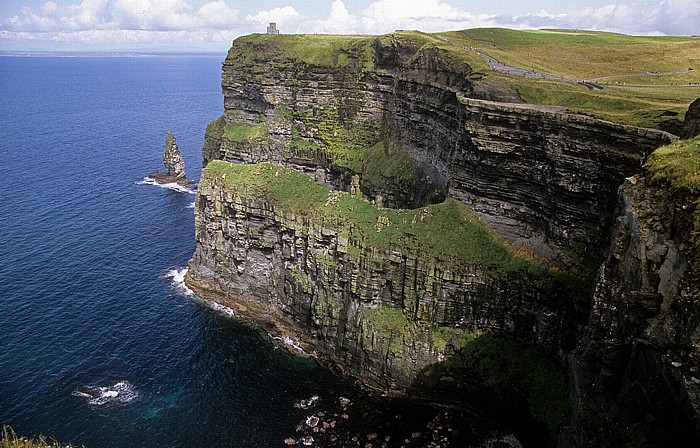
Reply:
x=244 y=132
x=677 y=165
x=582 y=55
x=379 y=167
x=587 y=54
x=319 y=50
x=641 y=108
x=12 y=440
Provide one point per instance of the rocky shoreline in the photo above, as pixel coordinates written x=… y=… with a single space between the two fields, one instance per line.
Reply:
x=165 y=178
x=377 y=418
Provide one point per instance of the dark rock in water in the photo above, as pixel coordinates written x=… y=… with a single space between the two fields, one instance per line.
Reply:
x=691 y=125
x=174 y=163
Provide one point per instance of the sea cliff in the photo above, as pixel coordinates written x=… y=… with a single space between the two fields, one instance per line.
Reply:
x=393 y=207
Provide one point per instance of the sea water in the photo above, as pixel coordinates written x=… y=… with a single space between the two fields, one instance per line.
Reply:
x=100 y=342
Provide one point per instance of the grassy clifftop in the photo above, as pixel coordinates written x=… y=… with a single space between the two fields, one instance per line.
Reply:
x=647 y=79
x=319 y=50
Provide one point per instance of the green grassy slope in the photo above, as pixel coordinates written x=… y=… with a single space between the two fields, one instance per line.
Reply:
x=632 y=69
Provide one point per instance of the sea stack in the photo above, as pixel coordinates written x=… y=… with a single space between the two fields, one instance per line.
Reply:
x=174 y=163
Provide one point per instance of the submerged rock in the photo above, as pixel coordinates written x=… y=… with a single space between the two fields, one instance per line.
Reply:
x=174 y=163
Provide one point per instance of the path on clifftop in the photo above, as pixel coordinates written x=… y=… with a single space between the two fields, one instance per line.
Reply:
x=592 y=83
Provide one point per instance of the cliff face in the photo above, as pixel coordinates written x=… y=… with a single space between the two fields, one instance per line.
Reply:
x=408 y=125
x=384 y=299
x=471 y=178
x=691 y=125
x=639 y=359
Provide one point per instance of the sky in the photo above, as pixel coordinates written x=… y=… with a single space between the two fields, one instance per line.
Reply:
x=211 y=25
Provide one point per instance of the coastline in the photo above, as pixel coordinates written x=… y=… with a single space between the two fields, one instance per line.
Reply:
x=278 y=328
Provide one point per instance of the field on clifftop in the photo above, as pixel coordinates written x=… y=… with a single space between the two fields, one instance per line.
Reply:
x=645 y=80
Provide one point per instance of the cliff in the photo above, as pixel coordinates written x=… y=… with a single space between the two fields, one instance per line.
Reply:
x=638 y=362
x=394 y=208
x=383 y=292
x=408 y=123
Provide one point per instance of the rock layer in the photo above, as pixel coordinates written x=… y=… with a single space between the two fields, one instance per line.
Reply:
x=635 y=377
x=542 y=177
x=383 y=313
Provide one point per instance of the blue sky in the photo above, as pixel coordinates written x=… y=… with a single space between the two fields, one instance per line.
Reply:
x=211 y=25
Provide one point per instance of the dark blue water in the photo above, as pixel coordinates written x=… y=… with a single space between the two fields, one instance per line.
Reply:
x=85 y=255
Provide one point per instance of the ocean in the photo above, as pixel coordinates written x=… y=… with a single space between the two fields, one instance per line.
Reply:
x=100 y=343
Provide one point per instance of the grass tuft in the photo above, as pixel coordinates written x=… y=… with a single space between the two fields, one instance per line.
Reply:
x=677 y=165
x=12 y=440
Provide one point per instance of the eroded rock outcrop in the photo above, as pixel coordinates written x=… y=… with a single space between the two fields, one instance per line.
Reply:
x=691 y=125
x=174 y=163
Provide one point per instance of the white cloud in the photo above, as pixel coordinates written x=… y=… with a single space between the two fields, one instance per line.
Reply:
x=174 y=15
x=672 y=17
x=153 y=15
x=285 y=17
x=384 y=16
x=340 y=21
x=216 y=22
x=218 y=15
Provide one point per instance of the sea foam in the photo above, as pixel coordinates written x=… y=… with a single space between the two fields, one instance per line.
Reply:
x=170 y=186
x=122 y=392
x=177 y=280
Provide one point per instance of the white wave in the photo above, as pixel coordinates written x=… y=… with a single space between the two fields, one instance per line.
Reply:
x=293 y=343
x=191 y=205
x=507 y=440
x=170 y=186
x=223 y=310
x=122 y=392
x=177 y=280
